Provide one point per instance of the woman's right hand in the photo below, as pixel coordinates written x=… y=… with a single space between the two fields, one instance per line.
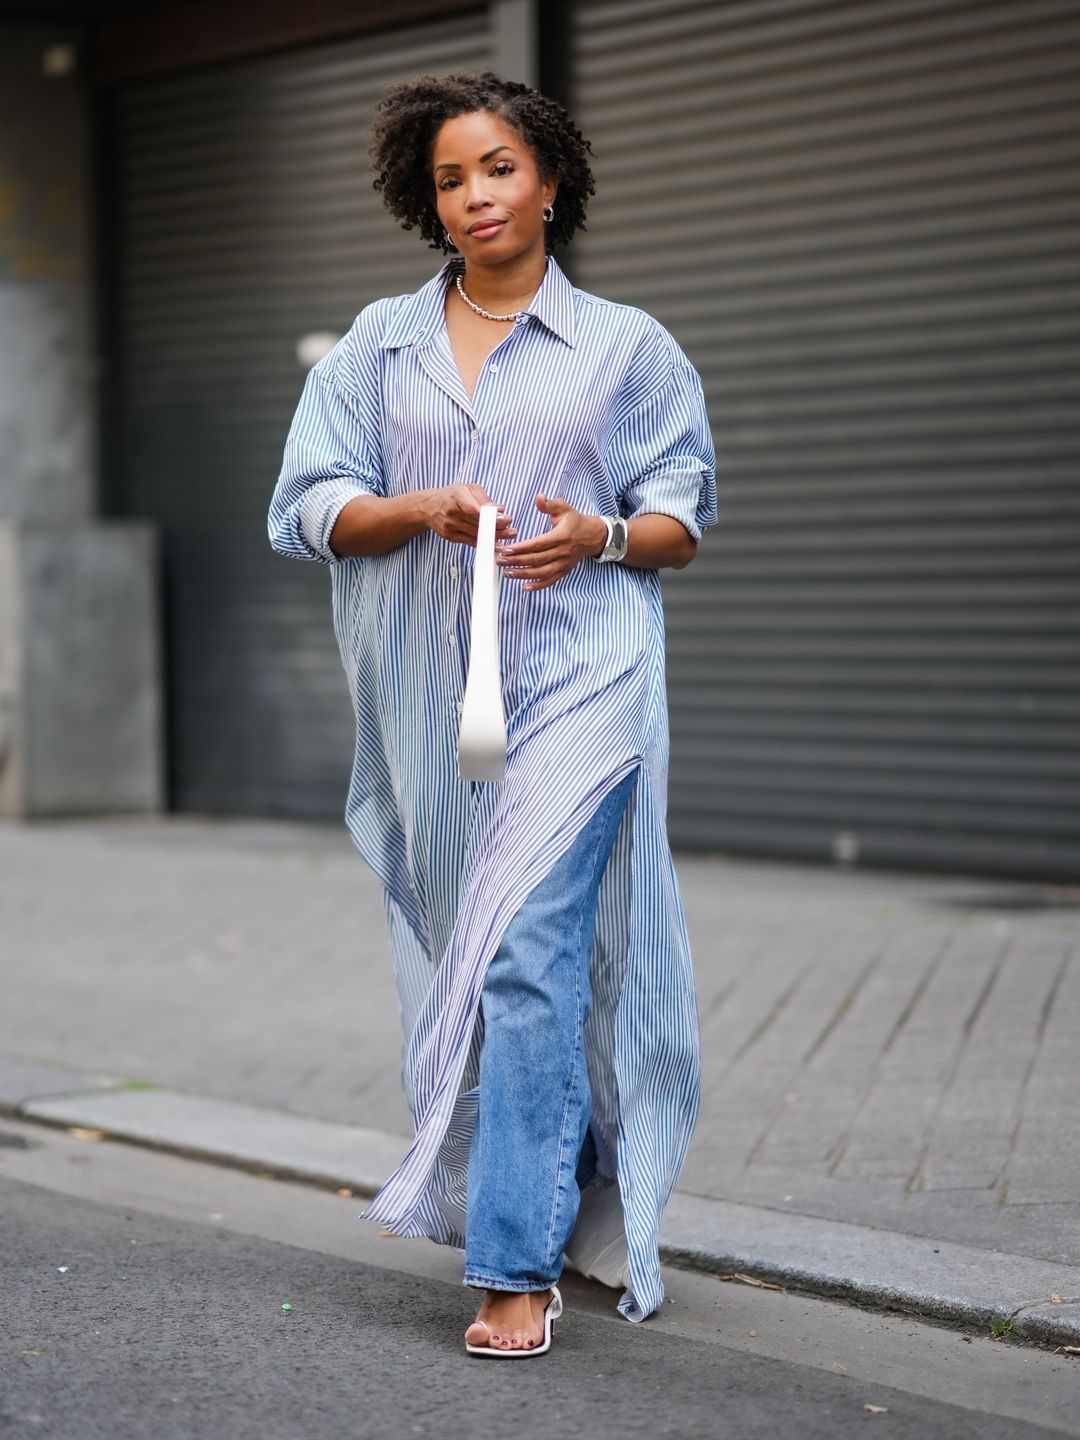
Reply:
x=453 y=511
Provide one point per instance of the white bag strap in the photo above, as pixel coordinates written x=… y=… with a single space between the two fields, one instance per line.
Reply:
x=482 y=737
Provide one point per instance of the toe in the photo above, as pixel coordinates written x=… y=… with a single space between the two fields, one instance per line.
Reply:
x=477 y=1333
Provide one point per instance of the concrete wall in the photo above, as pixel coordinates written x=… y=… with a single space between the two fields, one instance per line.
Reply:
x=46 y=351
x=11 y=787
x=80 y=691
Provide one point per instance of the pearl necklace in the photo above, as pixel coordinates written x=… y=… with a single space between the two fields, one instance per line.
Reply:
x=516 y=314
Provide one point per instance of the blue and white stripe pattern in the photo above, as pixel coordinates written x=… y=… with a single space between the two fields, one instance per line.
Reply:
x=595 y=403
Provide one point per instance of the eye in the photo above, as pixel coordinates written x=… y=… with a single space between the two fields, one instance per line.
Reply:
x=447 y=181
x=503 y=167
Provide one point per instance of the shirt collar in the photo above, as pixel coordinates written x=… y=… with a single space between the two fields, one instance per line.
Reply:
x=553 y=303
x=418 y=320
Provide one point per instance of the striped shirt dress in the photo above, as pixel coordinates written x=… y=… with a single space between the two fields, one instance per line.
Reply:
x=594 y=403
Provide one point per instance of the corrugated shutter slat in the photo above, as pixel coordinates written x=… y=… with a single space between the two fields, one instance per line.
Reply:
x=860 y=220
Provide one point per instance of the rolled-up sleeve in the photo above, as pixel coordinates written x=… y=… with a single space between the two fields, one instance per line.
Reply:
x=660 y=456
x=331 y=457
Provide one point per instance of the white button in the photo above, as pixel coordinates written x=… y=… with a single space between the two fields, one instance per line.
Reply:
x=475 y=433
x=494 y=369
x=453 y=571
x=451 y=639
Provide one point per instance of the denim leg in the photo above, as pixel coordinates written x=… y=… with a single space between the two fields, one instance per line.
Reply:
x=529 y=1148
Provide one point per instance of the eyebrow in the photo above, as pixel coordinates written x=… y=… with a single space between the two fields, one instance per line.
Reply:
x=453 y=165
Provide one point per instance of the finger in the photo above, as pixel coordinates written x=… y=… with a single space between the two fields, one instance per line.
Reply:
x=542 y=583
x=478 y=493
x=541 y=545
x=539 y=572
x=470 y=498
x=532 y=562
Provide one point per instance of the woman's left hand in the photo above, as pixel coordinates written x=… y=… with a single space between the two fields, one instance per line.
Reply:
x=545 y=559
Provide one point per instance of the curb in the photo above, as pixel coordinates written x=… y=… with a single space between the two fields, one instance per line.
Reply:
x=936 y=1280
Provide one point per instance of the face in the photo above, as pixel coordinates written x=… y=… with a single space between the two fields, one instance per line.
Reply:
x=488 y=192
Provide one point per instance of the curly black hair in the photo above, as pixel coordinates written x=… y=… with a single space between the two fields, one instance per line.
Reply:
x=411 y=114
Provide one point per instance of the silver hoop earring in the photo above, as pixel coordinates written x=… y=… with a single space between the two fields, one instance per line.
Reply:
x=549 y=212
x=447 y=241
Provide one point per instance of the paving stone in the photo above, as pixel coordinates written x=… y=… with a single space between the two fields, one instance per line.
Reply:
x=1045 y=1162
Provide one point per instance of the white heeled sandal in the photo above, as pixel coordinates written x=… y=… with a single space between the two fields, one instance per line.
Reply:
x=552 y=1311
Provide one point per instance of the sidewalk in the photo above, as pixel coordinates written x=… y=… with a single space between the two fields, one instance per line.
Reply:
x=891 y=1062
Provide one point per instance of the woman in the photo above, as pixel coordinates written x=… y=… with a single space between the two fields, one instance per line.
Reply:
x=546 y=988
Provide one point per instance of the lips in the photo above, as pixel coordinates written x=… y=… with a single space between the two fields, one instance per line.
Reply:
x=486 y=227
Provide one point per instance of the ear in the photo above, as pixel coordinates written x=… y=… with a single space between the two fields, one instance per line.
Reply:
x=549 y=189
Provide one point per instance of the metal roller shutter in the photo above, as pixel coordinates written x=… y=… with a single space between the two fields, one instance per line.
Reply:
x=246 y=218
x=861 y=221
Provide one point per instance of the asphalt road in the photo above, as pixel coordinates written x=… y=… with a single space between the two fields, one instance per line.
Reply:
x=142 y=1296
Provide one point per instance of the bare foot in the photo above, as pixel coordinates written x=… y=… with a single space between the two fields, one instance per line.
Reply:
x=509 y=1320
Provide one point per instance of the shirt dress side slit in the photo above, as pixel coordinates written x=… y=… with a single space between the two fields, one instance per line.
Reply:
x=596 y=402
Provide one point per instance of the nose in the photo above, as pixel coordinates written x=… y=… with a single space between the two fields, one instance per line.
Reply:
x=476 y=193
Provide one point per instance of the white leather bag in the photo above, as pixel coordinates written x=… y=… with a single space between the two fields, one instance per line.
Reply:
x=482 y=736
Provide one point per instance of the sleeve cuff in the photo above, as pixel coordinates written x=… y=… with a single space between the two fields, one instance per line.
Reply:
x=676 y=493
x=323 y=502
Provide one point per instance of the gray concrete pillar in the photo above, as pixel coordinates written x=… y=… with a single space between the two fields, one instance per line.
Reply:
x=80 y=694
x=80 y=690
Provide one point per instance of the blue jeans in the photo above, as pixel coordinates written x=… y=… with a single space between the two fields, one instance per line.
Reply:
x=531 y=1148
